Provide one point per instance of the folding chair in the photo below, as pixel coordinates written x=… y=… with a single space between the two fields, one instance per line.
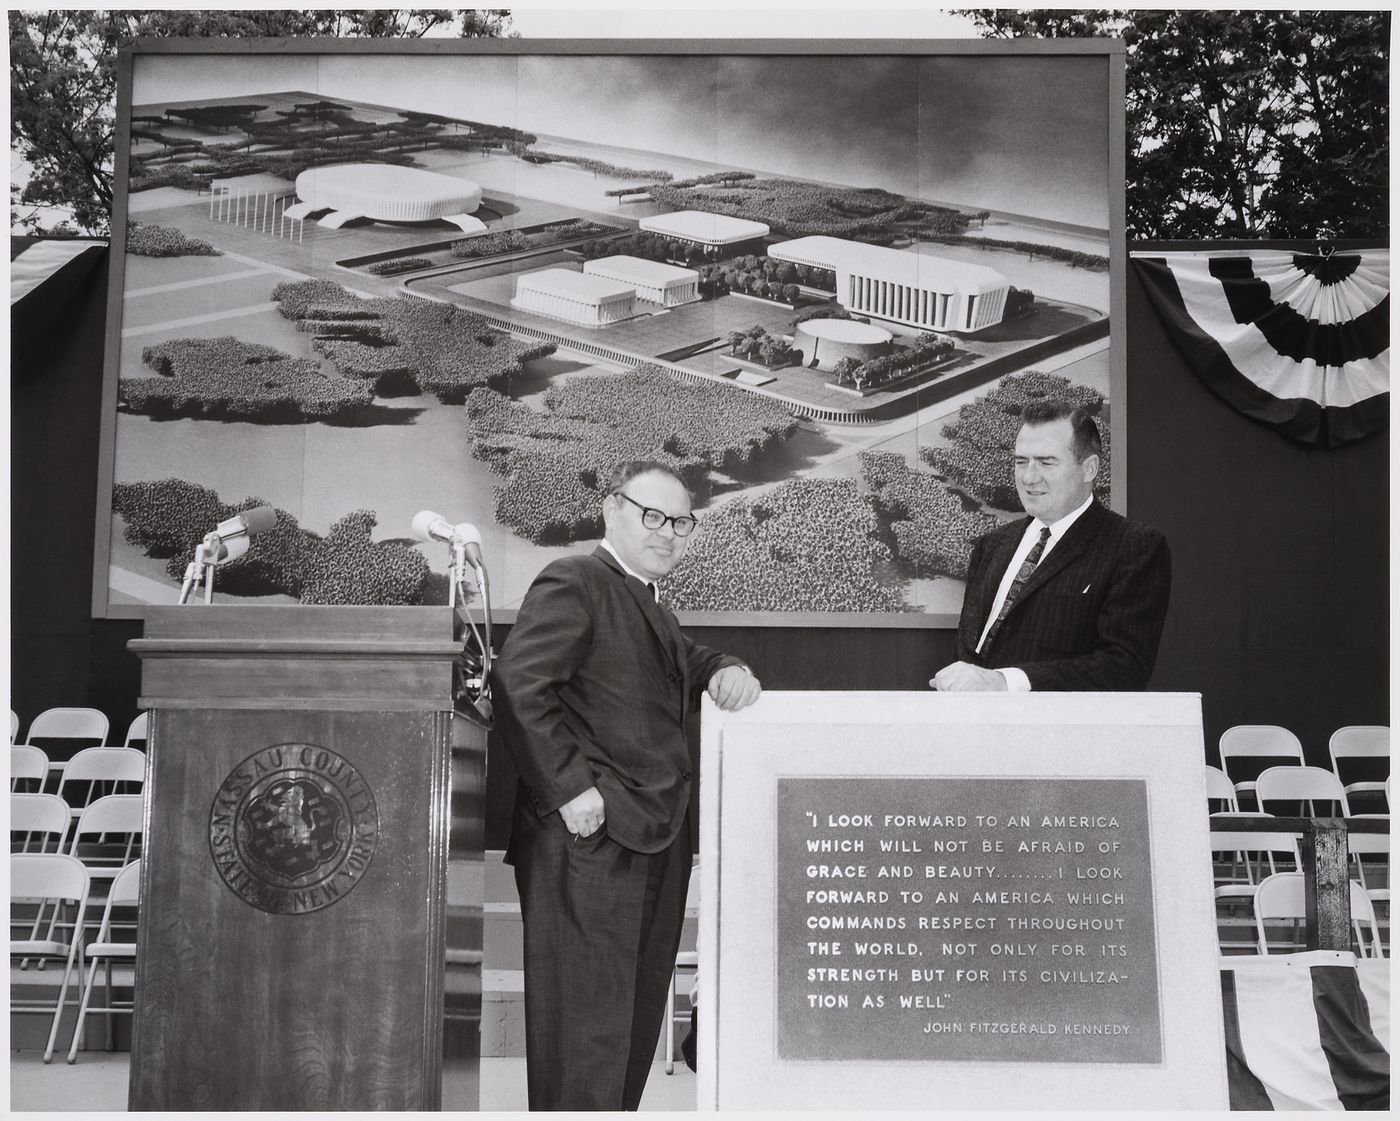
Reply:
x=1255 y=743
x=1280 y=896
x=1308 y=786
x=1259 y=855
x=1219 y=788
x=44 y=816
x=137 y=729
x=119 y=816
x=97 y=771
x=29 y=765
x=14 y=725
x=69 y=724
x=1361 y=742
x=124 y=892
x=39 y=876
x=1371 y=844
x=685 y=959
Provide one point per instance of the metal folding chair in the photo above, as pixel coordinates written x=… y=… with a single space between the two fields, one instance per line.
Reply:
x=120 y=819
x=28 y=765
x=1308 y=786
x=124 y=893
x=98 y=771
x=41 y=817
x=38 y=876
x=1280 y=896
x=1360 y=742
x=1219 y=788
x=1247 y=747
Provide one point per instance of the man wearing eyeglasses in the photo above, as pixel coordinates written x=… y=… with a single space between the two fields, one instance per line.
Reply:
x=592 y=690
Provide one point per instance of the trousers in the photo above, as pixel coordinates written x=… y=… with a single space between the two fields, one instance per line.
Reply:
x=602 y=924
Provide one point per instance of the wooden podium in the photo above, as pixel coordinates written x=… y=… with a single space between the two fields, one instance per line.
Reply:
x=312 y=862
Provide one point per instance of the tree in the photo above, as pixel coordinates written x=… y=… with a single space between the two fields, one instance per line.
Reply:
x=1253 y=123
x=63 y=81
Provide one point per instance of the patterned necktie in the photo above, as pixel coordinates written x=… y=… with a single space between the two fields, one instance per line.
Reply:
x=1022 y=575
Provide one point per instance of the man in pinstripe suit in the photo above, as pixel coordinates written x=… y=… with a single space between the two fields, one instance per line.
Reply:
x=1072 y=597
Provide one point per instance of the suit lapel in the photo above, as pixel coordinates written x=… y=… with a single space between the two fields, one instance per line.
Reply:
x=1074 y=542
x=661 y=621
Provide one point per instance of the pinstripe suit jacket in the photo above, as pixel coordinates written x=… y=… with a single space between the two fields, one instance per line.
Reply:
x=592 y=688
x=1090 y=616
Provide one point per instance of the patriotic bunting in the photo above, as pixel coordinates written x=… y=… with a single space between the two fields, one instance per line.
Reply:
x=1307 y=1031
x=1298 y=341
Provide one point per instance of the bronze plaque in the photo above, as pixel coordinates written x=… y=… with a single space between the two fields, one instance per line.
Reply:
x=969 y=919
x=293 y=828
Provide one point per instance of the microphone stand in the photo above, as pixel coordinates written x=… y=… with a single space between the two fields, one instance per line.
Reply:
x=201 y=569
x=476 y=683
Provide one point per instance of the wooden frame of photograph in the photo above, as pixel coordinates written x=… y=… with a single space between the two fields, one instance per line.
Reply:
x=352 y=279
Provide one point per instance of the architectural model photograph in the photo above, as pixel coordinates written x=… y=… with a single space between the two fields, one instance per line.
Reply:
x=820 y=286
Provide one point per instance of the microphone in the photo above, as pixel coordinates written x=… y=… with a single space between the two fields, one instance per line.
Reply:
x=469 y=537
x=430 y=526
x=229 y=539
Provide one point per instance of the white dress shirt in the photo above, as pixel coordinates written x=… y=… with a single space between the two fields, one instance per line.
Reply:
x=1016 y=679
x=625 y=568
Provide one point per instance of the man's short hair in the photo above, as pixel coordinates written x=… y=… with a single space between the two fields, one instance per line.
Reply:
x=624 y=472
x=1085 y=440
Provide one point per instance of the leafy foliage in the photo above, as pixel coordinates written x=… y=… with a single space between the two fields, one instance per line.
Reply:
x=397 y=265
x=796 y=208
x=807 y=545
x=144 y=240
x=598 y=167
x=436 y=348
x=933 y=528
x=1244 y=123
x=168 y=518
x=63 y=81
x=228 y=379
x=555 y=464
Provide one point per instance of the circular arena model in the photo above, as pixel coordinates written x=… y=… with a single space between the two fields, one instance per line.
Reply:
x=824 y=342
x=386 y=193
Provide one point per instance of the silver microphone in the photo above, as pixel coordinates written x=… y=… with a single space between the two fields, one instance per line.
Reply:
x=228 y=540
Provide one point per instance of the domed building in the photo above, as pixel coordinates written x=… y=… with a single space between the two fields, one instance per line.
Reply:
x=386 y=193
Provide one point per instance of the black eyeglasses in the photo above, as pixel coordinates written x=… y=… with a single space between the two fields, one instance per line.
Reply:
x=682 y=524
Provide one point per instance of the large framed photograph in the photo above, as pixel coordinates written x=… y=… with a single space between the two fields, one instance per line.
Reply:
x=356 y=280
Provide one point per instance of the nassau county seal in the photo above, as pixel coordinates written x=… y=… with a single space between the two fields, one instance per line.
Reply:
x=293 y=828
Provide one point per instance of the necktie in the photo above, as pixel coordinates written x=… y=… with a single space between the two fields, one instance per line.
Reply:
x=1022 y=575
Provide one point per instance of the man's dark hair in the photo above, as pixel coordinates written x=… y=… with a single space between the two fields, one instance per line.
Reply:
x=1085 y=441
x=624 y=472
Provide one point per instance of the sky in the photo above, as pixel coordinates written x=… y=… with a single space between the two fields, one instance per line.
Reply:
x=1024 y=135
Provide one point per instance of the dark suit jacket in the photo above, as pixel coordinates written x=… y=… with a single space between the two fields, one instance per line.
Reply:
x=592 y=688
x=1090 y=616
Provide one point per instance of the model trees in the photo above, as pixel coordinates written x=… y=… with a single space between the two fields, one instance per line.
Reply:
x=411 y=345
x=808 y=545
x=554 y=464
x=228 y=379
x=168 y=519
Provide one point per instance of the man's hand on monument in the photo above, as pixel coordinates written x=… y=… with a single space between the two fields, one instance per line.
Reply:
x=964 y=677
x=733 y=688
x=583 y=816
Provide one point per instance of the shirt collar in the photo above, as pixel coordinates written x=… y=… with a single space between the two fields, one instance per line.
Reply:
x=1058 y=528
x=625 y=567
